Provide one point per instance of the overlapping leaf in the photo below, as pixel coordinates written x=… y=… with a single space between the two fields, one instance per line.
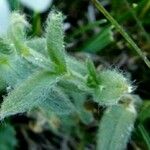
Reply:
x=37 y=90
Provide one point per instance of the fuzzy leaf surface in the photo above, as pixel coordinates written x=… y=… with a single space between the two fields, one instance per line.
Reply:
x=55 y=40
x=115 y=128
x=29 y=94
x=113 y=85
x=58 y=102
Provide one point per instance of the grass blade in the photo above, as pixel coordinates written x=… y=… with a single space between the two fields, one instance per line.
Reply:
x=145 y=135
x=122 y=31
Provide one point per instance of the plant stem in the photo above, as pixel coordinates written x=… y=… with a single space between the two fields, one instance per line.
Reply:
x=121 y=30
x=36 y=24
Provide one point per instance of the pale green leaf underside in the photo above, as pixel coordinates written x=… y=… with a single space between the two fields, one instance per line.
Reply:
x=39 y=45
x=32 y=93
x=115 y=128
x=113 y=85
x=13 y=70
x=58 y=102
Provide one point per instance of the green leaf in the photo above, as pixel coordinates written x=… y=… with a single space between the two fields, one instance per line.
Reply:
x=99 y=42
x=145 y=111
x=17 y=34
x=75 y=65
x=5 y=47
x=7 y=74
x=145 y=135
x=37 y=59
x=113 y=85
x=58 y=102
x=4 y=60
x=73 y=82
x=115 y=127
x=55 y=40
x=92 y=80
x=38 y=44
x=7 y=137
x=14 y=69
x=29 y=94
x=17 y=30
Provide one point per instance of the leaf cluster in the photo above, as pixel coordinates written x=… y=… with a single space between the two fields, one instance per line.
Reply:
x=41 y=75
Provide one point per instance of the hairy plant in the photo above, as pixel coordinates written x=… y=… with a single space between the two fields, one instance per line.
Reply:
x=41 y=75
